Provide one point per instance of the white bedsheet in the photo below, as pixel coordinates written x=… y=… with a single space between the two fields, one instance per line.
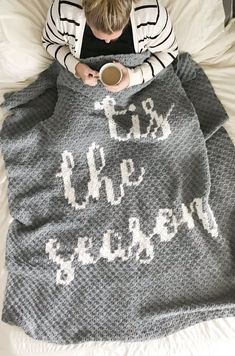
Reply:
x=214 y=337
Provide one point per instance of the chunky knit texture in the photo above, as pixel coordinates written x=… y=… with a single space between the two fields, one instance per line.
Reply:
x=123 y=206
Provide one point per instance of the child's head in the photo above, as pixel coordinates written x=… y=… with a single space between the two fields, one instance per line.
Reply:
x=107 y=16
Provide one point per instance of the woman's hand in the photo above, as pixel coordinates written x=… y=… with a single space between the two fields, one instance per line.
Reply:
x=124 y=83
x=87 y=75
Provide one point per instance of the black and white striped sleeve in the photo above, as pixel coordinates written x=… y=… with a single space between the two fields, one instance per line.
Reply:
x=54 y=40
x=163 y=47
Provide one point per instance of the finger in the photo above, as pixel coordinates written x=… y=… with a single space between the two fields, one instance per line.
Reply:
x=88 y=82
x=116 y=87
x=91 y=73
x=90 y=78
x=93 y=84
x=92 y=81
x=94 y=73
x=119 y=65
x=112 y=89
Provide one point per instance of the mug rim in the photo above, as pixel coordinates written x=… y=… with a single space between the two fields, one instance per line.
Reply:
x=107 y=65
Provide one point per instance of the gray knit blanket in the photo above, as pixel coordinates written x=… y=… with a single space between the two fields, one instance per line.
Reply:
x=123 y=206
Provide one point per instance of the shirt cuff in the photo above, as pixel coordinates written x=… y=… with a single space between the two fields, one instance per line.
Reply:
x=71 y=63
x=135 y=75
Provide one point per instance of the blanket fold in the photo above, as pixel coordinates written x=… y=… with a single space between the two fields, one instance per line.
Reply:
x=123 y=206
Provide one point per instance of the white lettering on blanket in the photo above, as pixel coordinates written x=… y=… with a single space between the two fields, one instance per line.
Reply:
x=96 y=178
x=141 y=247
x=156 y=122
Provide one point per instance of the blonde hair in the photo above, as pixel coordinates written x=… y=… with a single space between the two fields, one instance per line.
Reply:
x=107 y=16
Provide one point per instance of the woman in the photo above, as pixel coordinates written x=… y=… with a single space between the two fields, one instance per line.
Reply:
x=80 y=29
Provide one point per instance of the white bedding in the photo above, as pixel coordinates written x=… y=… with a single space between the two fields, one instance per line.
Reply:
x=21 y=58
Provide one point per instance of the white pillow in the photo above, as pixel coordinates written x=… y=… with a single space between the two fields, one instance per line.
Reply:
x=196 y=22
x=22 y=55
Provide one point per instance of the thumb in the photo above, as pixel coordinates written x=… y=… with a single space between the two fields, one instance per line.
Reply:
x=119 y=65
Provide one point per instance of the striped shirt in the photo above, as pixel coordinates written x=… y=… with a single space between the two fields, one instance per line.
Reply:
x=151 y=27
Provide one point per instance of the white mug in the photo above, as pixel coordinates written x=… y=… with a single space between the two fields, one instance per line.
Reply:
x=110 y=74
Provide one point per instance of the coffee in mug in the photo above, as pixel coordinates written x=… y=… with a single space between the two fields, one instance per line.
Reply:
x=110 y=74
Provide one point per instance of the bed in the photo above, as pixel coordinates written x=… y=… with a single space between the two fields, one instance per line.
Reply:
x=22 y=58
